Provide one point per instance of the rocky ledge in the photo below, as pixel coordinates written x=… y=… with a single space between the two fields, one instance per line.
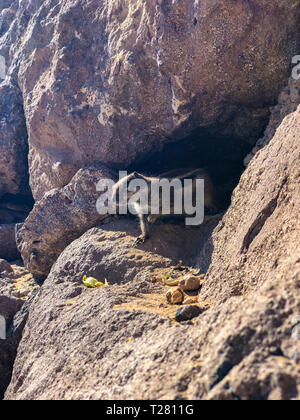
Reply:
x=122 y=341
x=90 y=88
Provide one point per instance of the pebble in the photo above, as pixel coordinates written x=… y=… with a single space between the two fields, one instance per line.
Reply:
x=188 y=312
x=191 y=282
x=175 y=295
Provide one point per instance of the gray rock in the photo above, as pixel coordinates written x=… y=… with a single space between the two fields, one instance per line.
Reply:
x=188 y=312
x=9 y=305
x=59 y=218
x=109 y=251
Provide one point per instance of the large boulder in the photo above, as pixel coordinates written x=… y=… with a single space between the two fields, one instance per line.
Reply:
x=109 y=251
x=17 y=291
x=114 y=81
x=288 y=102
x=257 y=242
x=122 y=341
x=59 y=218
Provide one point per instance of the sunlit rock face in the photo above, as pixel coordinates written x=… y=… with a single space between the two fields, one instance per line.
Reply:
x=122 y=342
x=114 y=81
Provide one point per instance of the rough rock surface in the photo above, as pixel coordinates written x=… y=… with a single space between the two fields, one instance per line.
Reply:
x=262 y=223
x=4 y=266
x=109 y=251
x=288 y=101
x=16 y=285
x=190 y=282
x=122 y=341
x=8 y=246
x=8 y=348
x=59 y=218
x=112 y=81
x=6 y=16
x=4 y=4
x=17 y=290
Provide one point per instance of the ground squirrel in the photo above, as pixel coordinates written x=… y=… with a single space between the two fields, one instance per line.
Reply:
x=145 y=211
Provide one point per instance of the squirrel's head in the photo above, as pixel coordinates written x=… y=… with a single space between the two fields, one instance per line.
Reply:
x=122 y=186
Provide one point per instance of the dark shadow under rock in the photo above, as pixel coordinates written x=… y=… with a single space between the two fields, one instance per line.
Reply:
x=99 y=344
x=8 y=246
x=17 y=291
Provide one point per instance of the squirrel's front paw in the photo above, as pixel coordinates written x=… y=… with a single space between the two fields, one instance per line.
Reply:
x=140 y=240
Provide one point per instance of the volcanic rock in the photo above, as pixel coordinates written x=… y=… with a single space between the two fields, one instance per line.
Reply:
x=82 y=343
x=113 y=82
x=59 y=218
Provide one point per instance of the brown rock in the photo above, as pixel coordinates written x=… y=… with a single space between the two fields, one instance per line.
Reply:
x=12 y=281
x=257 y=240
x=60 y=218
x=108 y=251
x=76 y=342
x=190 y=282
x=190 y=300
x=175 y=295
x=123 y=79
x=5 y=266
